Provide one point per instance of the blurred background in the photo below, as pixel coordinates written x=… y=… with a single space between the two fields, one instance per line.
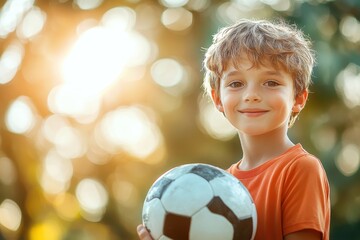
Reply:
x=98 y=98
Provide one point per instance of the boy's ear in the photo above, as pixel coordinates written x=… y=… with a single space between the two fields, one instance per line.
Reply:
x=216 y=99
x=300 y=101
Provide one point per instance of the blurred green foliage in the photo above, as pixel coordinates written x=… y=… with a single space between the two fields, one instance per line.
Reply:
x=88 y=181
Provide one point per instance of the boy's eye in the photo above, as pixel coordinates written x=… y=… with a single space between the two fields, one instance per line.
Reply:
x=271 y=83
x=236 y=84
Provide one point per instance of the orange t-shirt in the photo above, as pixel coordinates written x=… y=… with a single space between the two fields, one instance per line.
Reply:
x=291 y=193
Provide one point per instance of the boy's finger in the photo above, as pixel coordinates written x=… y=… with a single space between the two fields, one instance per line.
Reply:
x=143 y=233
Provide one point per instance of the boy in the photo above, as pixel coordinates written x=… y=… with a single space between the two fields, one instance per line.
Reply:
x=258 y=74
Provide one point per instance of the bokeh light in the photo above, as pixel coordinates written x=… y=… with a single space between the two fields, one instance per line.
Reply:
x=88 y=4
x=214 y=122
x=32 y=23
x=119 y=18
x=324 y=138
x=10 y=61
x=11 y=14
x=20 y=116
x=350 y=28
x=8 y=174
x=93 y=199
x=198 y=5
x=57 y=172
x=75 y=102
x=348 y=85
x=70 y=143
x=171 y=75
x=131 y=130
x=57 y=167
x=348 y=160
x=10 y=215
x=174 y=3
x=52 y=124
x=177 y=19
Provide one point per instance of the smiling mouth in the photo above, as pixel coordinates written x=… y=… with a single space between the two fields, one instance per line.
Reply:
x=253 y=112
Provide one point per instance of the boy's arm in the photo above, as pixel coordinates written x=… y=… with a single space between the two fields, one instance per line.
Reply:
x=143 y=233
x=306 y=234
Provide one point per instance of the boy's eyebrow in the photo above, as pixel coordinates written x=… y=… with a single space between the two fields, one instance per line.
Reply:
x=232 y=73
x=272 y=72
x=267 y=72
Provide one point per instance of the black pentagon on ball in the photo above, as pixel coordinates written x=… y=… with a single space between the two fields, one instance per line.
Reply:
x=206 y=172
x=176 y=226
x=158 y=188
x=243 y=228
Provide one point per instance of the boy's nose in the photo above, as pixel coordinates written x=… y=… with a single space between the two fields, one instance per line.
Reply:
x=252 y=95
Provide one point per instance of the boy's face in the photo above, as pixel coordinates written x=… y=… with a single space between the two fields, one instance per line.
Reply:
x=257 y=100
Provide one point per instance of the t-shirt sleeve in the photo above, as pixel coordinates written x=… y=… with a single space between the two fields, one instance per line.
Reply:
x=305 y=196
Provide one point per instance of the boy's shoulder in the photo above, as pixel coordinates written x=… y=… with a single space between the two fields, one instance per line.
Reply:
x=301 y=162
x=295 y=162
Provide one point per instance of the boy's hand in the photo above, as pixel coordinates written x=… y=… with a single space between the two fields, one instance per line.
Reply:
x=143 y=233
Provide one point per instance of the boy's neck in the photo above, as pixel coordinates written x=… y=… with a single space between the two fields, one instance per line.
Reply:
x=260 y=149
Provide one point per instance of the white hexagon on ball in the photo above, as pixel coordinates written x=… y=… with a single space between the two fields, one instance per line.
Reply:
x=184 y=198
x=210 y=226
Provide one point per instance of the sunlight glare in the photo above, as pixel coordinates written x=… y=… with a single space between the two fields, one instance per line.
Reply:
x=95 y=61
x=99 y=57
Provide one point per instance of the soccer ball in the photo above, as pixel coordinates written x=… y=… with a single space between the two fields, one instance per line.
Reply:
x=197 y=202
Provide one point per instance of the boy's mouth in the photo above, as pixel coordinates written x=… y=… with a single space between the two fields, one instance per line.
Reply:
x=253 y=112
